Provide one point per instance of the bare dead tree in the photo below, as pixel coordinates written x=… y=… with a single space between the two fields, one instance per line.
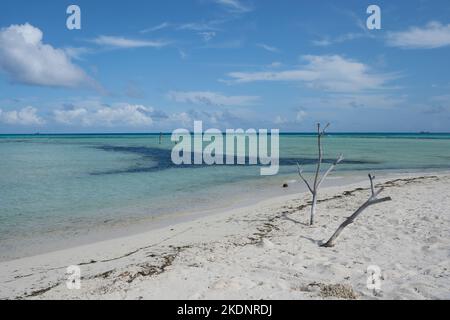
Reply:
x=372 y=200
x=314 y=188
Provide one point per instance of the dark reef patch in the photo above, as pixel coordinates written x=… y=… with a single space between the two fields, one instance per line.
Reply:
x=161 y=160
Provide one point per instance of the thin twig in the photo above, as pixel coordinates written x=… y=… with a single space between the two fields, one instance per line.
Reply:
x=300 y=173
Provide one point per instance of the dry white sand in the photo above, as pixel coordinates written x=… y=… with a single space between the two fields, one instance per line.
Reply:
x=266 y=251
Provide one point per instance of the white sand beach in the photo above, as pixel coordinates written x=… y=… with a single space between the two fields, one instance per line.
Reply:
x=266 y=251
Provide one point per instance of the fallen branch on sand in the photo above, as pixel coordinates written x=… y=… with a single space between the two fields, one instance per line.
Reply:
x=372 y=200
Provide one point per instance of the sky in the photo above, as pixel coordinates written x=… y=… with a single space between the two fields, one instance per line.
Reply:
x=151 y=66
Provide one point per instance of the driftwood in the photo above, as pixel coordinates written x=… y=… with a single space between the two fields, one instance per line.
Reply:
x=372 y=200
x=314 y=188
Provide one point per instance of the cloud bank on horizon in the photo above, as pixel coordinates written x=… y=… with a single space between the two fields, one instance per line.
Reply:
x=229 y=63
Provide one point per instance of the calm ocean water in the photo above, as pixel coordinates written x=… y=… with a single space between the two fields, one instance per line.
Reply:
x=61 y=190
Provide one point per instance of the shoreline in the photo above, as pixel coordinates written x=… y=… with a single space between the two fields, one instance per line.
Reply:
x=145 y=256
x=255 y=192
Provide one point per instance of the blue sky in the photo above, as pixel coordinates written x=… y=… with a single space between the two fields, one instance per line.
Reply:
x=150 y=66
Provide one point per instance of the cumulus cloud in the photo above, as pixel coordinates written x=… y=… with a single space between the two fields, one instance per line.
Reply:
x=211 y=98
x=329 y=72
x=220 y=119
x=121 y=42
x=26 y=59
x=26 y=116
x=433 y=35
x=96 y=115
x=106 y=116
x=298 y=118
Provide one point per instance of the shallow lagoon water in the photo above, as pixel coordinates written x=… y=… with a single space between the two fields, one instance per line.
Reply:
x=64 y=190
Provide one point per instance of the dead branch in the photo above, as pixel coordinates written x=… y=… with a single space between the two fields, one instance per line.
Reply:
x=300 y=173
x=372 y=201
x=314 y=187
x=331 y=168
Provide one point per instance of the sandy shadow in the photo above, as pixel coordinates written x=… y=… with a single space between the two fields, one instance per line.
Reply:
x=314 y=241
x=285 y=217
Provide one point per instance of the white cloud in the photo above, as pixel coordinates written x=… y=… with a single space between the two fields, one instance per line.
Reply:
x=121 y=42
x=300 y=116
x=200 y=26
x=77 y=52
x=433 y=35
x=106 y=116
x=161 y=26
x=280 y=120
x=94 y=114
x=329 y=72
x=26 y=116
x=26 y=59
x=234 y=6
x=217 y=118
x=327 y=41
x=275 y=64
x=268 y=48
x=354 y=101
x=70 y=116
x=207 y=35
x=182 y=118
x=211 y=98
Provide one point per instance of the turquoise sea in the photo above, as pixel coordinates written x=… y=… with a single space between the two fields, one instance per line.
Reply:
x=64 y=190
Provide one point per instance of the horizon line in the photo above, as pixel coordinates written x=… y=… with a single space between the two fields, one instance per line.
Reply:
x=170 y=133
